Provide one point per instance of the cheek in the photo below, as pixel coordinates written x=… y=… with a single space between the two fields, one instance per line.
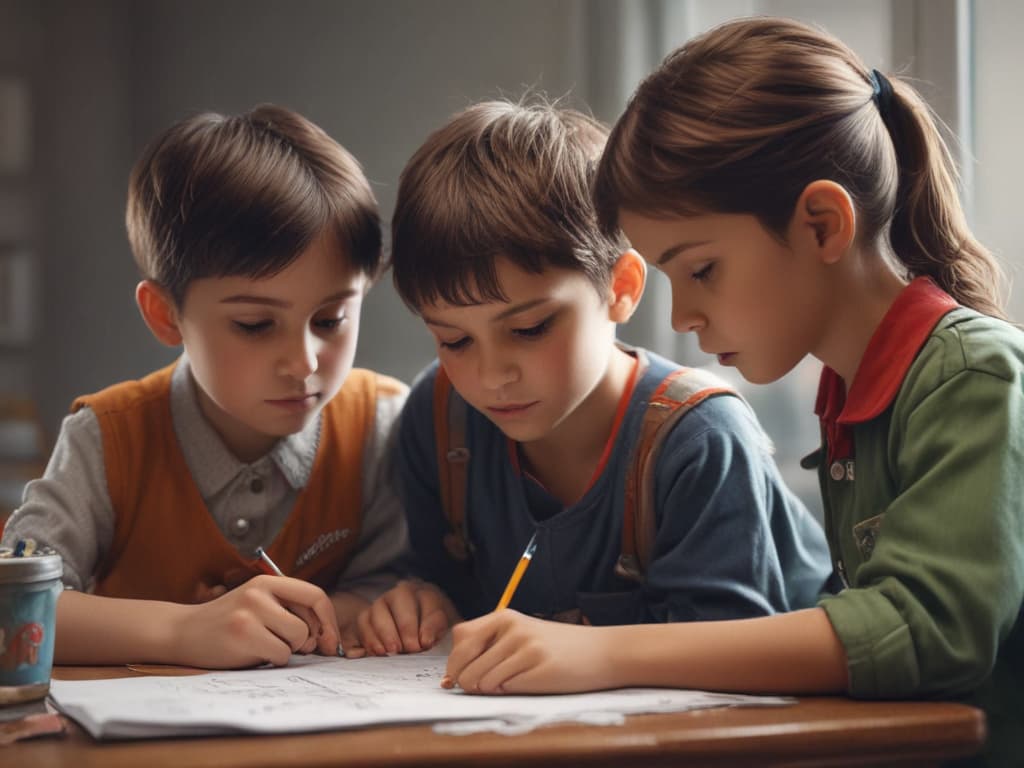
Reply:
x=462 y=375
x=339 y=355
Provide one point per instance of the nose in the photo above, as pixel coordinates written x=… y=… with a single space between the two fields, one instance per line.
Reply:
x=299 y=360
x=496 y=369
x=685 y=317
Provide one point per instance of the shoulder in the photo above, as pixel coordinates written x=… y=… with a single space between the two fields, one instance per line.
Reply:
x=719 y=417
x=128 y=395
x=725 y=420
x=966 y=344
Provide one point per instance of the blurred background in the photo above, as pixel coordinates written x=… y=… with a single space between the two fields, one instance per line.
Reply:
x=85 y=84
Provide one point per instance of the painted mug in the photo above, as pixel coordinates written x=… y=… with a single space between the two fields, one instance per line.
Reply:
x=29 y=588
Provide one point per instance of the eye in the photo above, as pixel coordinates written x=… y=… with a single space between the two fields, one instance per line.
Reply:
x=454 y=345
x=534 y=331
x=704 y=273
x=253 y=329
x=330 y=323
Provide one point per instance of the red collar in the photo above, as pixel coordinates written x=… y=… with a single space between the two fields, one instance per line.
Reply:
x=892 y=349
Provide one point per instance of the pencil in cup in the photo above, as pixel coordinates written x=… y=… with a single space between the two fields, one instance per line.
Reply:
x=517 y=574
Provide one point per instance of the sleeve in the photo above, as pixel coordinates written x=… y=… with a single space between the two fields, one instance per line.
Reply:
x=382 y=555
x=718 y=494
x=421 y=496
x=69 y=508
x=944 y=585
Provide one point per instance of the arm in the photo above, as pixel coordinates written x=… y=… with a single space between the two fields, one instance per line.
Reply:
x=252 y=624
x=421 y=497
x=69 y=508
x=506 y=652
x=416 y=613
x=930 y=610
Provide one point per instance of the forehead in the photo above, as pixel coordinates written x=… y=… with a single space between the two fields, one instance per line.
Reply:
x=519 y=288
x=656 y=237
x=321 y=271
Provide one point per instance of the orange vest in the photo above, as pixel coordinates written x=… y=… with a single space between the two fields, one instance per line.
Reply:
x=166 y=545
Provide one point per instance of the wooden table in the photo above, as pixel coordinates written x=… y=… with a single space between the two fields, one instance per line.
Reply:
x=817 y=731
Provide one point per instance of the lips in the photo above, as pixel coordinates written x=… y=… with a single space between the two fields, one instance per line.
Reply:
x=511 y=408
x=299 y=401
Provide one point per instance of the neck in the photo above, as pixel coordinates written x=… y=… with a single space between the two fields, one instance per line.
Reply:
x=565 y=459
x=865 y=289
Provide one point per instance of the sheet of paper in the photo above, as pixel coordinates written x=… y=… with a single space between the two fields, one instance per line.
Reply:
x=315 y=693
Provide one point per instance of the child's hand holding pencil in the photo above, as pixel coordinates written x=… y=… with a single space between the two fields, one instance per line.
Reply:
x=265 y=620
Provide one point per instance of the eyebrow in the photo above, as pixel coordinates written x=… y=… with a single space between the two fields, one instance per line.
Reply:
x=245 y=298
x=670 y=253
x=513 y=310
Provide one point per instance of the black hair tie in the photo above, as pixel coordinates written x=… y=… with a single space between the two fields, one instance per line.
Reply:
x=881 y=93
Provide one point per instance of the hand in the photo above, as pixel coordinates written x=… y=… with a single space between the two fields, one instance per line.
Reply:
x=204 y=593
x=265 y=620
x=409 y=618
x=507 y=652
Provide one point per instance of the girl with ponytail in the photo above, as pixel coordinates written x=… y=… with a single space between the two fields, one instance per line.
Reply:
x=801 y=204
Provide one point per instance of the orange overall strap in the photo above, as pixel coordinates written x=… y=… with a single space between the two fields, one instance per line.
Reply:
x=677 y=394
x=452 y=461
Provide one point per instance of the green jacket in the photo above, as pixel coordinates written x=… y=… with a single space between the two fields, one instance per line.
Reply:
x=925 y=519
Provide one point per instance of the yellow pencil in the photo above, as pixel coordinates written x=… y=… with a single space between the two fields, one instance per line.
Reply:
x=517 y=574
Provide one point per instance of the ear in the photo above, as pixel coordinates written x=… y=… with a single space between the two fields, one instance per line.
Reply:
x=159 y=312
x=825 y=220
x=629 y=275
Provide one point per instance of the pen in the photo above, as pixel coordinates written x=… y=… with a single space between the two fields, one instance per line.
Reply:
x=272 y=566
x=268 y=562
x=517 y=574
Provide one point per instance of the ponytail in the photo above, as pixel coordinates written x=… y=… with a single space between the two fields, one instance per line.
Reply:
x=928 y=232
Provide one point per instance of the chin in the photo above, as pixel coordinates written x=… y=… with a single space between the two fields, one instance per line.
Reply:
x=760 y=376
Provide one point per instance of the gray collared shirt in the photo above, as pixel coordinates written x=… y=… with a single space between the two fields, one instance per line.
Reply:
x=69 y=508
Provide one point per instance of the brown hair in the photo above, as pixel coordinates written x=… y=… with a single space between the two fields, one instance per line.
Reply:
x=500 y=179
x=245 y=195
x=742 y=118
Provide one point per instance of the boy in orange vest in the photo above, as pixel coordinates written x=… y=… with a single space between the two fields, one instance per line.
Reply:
x=257 y=237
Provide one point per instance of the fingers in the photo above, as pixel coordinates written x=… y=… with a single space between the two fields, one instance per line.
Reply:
x=494 y=670
x=309 y=602
x=469 y=640
x=394 y=622
x=351 y=642
x=404 y=607
x=377 y=630
x=436 y=616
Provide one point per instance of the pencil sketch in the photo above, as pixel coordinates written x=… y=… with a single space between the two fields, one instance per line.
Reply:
x=317 y=693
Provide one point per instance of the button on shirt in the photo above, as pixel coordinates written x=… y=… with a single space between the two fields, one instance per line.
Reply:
x=249 y=502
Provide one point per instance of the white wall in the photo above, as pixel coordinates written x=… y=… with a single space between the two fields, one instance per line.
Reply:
x=998 y=128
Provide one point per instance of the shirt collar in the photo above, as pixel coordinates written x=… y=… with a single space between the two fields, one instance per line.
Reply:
x=889 y=354
x=212 y=465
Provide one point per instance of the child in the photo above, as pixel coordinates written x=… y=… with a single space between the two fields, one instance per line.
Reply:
x=495 y=245
x=257 y=237
x=803 y=204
